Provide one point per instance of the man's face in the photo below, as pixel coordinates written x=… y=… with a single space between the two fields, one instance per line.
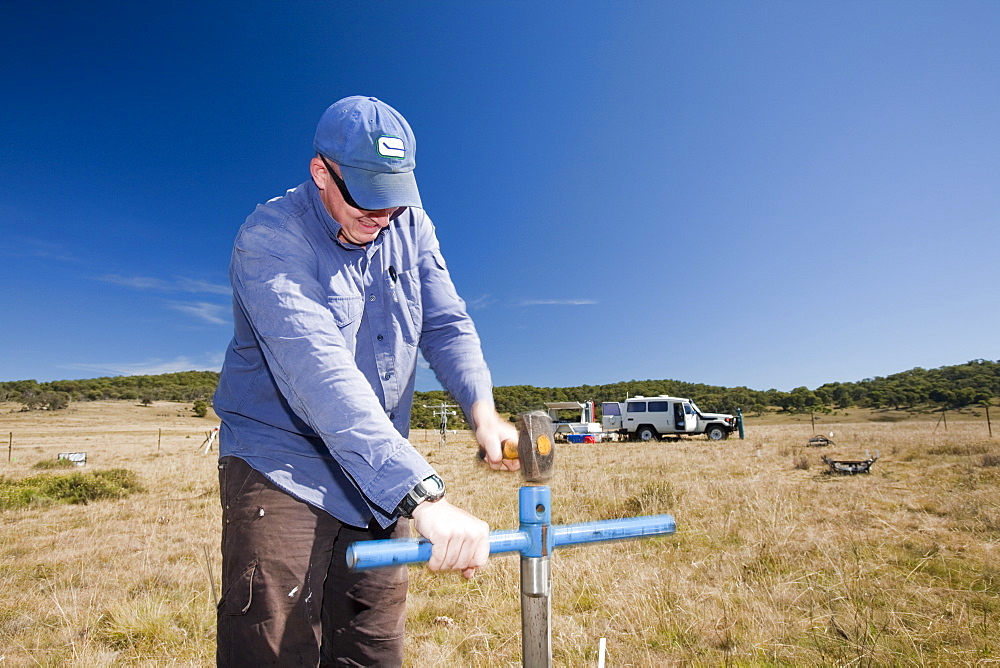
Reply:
x=357 y=226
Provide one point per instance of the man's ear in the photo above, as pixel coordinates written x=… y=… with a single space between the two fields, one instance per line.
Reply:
x=319 y=175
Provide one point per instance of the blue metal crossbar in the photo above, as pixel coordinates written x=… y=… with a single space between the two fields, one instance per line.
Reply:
x=530 y=540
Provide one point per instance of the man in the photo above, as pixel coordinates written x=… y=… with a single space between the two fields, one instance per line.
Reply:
x=336 y=285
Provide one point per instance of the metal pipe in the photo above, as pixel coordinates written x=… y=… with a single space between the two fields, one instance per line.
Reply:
x=536 y=612
x=535 y=512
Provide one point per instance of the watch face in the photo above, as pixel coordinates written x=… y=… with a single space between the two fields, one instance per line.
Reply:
x=430 y=488
x=433 y=486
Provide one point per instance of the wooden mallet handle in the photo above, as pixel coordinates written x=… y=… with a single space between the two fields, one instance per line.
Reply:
x=510 y=449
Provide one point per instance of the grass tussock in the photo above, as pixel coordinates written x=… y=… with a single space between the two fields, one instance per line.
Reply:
x=772 y=563
x=989 y=460
x=77 y=487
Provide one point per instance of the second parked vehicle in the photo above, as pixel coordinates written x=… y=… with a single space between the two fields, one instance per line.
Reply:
x=649 y=418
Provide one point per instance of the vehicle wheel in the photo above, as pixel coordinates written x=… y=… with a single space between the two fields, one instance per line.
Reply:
x=716 y=433
x=646 y=433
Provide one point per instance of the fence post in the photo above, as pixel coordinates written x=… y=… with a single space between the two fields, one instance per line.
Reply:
x=10 y=446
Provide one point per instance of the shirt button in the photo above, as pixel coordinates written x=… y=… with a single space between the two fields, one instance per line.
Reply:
x=388 y=375
x=371 y=298
x=379 y=337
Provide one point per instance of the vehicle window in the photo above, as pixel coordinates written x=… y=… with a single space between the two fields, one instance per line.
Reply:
x=637 y=407
x=659 y=406
x=611 y=408
x=688 y=409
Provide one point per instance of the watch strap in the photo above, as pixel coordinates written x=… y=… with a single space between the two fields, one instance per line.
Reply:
x=432 y=491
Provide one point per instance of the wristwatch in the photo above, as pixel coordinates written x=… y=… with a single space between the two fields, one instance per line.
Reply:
x=430 y=488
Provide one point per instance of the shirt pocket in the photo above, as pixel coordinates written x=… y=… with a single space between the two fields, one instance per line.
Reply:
x=345 y=298
x=408 y=310
x=345 y=310
x=347 y=313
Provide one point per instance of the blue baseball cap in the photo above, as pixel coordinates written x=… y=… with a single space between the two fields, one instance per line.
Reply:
x=375 y=148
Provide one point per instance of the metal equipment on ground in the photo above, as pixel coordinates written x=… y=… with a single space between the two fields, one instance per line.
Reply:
x=851 y=466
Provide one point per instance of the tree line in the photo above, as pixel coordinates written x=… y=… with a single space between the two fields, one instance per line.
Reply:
x=950 y=387
x=183 y=386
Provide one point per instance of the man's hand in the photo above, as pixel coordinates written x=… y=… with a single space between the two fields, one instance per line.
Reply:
x=491 y=431
x=460 y=540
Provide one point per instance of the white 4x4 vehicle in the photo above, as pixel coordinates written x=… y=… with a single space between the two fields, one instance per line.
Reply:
x=649 y=418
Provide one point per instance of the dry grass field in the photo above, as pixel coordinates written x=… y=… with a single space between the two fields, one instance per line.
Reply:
x=775 y=562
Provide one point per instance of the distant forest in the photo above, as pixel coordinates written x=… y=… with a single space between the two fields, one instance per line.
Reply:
x=949 y=387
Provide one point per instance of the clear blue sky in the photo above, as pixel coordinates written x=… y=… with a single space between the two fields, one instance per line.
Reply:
x=769 y=194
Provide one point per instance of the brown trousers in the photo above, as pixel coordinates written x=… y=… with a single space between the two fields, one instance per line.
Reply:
x=288 y=598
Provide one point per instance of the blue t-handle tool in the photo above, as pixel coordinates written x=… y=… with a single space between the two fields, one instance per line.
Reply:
x=535 y=541
x=527 y=540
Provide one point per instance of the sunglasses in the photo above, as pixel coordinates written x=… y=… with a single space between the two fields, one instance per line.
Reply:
x=342 y=187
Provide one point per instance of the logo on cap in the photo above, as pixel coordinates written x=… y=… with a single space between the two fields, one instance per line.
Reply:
x=391 y=147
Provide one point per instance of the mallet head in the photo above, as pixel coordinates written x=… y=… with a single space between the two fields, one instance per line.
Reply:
x=535 y=446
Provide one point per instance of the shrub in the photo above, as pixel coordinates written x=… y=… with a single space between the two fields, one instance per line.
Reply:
x=48 y=489
x=55 y=464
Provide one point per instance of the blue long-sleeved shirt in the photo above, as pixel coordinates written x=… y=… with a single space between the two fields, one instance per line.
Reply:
x=317 y=385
